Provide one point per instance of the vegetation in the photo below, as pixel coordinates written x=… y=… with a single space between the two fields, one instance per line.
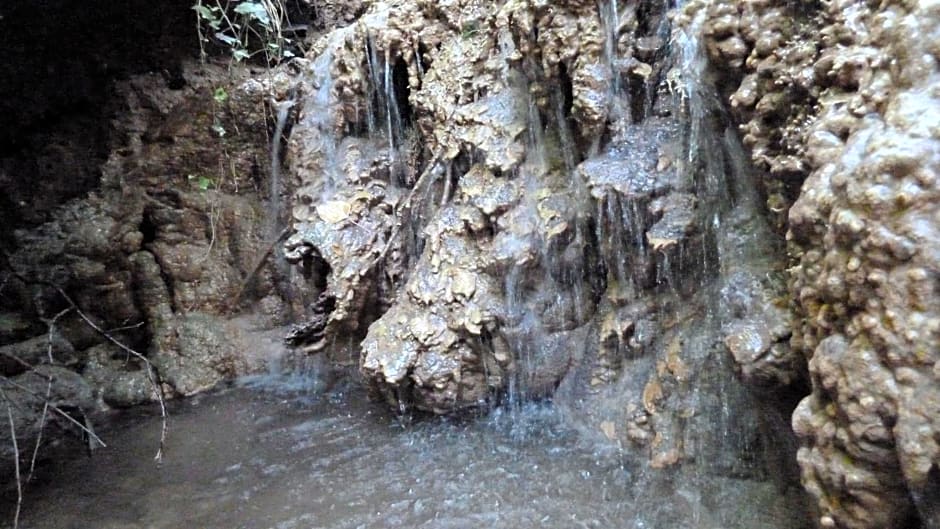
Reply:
x=246 y=28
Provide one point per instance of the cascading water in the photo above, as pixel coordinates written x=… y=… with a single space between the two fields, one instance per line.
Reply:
x=581 y=283
x=276 y=188
x=599 y=277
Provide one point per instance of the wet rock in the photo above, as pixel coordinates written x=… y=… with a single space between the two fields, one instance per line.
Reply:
x=15 y=327
x=431 y=342
x=756 y=65
x=119 y=379
x=632 y=168
x=18 y=357
x=437 y=341
x=860 y=231
x=349 y=234
x=204 y=354
x=517 y=215
x=764 y=359
x=25 y=396
x=164 y=235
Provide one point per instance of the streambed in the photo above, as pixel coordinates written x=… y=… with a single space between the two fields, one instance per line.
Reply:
x=290 y=453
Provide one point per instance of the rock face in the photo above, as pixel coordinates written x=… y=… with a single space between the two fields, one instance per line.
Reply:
x=854 y=91
x=493 y=202
x=532 y=199
x=161 y=252
x=418 y=194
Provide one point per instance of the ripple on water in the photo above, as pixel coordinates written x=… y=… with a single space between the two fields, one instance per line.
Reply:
x=265 y=455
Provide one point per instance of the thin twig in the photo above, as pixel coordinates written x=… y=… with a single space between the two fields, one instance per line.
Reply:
x=16 y=465
x=127 y=327
x=42 y=425
x=150 y=370
x=406 y=204
x=257 y=269
x=45 y=404
x=17 y=360
x=51 y=325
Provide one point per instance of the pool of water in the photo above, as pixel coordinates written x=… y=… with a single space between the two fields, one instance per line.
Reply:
x=288 y=453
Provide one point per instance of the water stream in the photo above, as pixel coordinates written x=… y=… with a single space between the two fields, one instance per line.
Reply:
x=292 y=453
x=276 y=186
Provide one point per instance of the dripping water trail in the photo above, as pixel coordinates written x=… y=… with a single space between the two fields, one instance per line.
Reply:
x=276 y=188
x=275 y=230
x=619 y=97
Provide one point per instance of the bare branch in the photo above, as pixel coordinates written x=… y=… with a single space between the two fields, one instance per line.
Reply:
x=407 y=204
x=257 y=269
x=16 y=465
x=150 y=370
x=157 y=388
x=42 y=425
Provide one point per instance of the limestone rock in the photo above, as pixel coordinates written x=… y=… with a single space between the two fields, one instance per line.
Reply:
x=862 y=133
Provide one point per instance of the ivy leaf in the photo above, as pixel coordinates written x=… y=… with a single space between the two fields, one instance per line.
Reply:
x=254 y=10
x=240 y=54
x=220 y=95
x=204 y=12
x=228 y=39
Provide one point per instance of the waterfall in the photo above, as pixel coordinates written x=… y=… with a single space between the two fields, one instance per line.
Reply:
x=274 y=212
x=598 y=266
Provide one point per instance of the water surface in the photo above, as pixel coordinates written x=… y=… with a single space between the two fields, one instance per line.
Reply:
x=287 y=453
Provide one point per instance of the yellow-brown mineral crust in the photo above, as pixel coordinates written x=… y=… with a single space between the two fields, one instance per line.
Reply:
x=847 y=95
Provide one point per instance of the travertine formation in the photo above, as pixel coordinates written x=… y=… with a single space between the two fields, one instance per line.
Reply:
x=494 y=201
x=531 y=199
x=854 y=90
x=419 y=104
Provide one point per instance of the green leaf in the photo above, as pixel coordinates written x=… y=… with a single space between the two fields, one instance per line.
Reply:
x=220 y=95
x=204 y=12
x=240 y=54
x=228 y=39
x=203 y=182
x=254 y=10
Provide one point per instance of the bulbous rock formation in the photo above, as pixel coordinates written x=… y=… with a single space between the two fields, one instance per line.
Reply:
x=531 y=199
x=429 y=102
x=858 y=94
